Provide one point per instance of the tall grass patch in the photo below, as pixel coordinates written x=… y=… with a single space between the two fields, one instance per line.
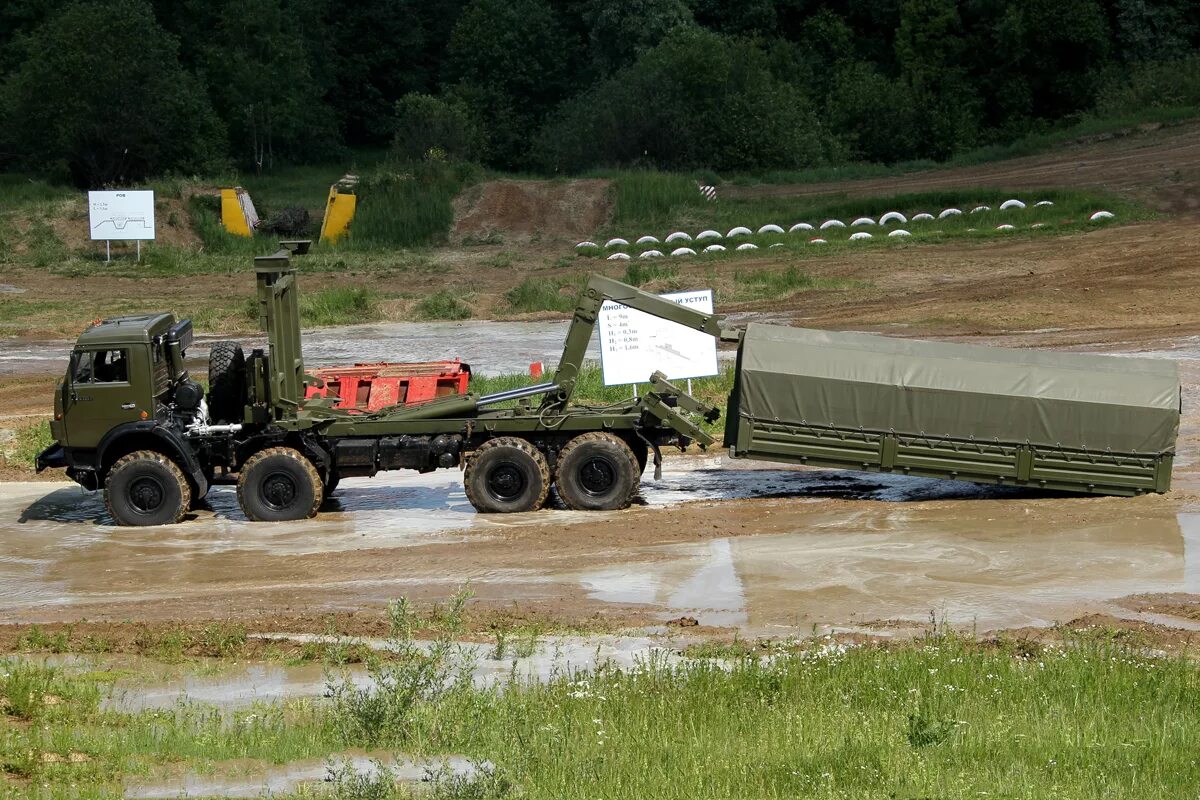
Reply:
x=543 y=294
x=652 y=198
x=343 y=305
x=408 y=205
x=446 y=304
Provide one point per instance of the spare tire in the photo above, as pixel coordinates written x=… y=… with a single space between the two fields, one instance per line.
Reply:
x=226 y=382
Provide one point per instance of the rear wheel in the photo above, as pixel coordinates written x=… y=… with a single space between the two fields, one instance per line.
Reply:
x=507 y=475
x=146 y=488
x=226 y=382
x=279 y=484
x=597 y=472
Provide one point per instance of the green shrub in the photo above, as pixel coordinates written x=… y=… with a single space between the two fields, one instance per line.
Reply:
x=343 y=305
x=435 y=128
x=541 y=294
x=445 y=304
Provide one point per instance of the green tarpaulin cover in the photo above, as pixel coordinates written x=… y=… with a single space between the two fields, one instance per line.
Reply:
x=877 y=383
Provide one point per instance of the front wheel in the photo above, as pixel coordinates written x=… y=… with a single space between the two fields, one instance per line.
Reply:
x=507 y=475
x=597 y=472
x=146 y=488
x=279 y=484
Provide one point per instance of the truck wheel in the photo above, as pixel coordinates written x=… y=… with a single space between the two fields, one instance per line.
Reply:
x=278 y=484
x=596 y=472
x=146 y=488
x=506 y=475
x=226 y=382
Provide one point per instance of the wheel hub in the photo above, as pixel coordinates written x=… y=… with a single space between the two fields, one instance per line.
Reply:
x=146 y=494
x=279 y=491
x=506 y=482
x=597 y=476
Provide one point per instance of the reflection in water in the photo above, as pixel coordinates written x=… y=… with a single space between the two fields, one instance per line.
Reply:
x=242 y=780
x=1020 y=566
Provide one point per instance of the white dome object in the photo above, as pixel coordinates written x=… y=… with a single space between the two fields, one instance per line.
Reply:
x=892 y=216
x=740 y=230
x=770 y=228
x=747 y=246
x=899 y=232
x=1043 y=203
x=800 y=226
x=950 y=212
x=651 y=254
x=618 y=242
x=832 y=223
x=715 y=248
x=862 y=221
x=678 y=236
x=647 y=240
x=854 y=237
x=584 y=245
x=978 y=209
x=1007 y=204
x=1099 y=215
x=972 y=230
x=1006 y=227
x=683 y=251
x=922 y=217
x=777 y=244
x=709 y=234
x=1038 y=225
x=818 y=240
x=619 y=257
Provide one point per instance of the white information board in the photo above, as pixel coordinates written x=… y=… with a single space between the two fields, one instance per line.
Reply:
x=634 y=345
x=123 y=215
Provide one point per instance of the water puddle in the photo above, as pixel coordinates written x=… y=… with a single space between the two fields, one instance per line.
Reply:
x=238 y=686
x=58 y=547
x=252 y=779
x=1001 y=566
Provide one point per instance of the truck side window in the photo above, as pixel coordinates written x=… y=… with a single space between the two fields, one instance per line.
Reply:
x=101 y=366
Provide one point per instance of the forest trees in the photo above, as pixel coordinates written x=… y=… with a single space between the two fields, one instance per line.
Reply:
x=98 y=91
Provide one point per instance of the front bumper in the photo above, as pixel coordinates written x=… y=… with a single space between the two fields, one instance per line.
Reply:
x=53 y=457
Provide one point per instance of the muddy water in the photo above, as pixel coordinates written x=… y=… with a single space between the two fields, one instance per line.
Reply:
x=59 y=551
x=990 y=565
x=491 y=348
x=253 y=779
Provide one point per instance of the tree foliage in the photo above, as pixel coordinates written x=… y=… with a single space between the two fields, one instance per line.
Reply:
x=107 y=90
x=122 y=112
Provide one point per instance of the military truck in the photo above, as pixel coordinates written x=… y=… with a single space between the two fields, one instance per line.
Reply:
x=128 y=417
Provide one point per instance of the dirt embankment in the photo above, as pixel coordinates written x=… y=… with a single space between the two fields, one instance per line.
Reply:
x=1160 y=167
x=513 y=210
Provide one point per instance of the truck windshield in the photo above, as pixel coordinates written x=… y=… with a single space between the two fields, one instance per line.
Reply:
x=101 y=366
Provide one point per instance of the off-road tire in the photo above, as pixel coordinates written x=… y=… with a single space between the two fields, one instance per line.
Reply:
x=279 y=484
x=596 y=472
x=507 y=475
x=641 y=451
x=146 y=488
x=226 y=382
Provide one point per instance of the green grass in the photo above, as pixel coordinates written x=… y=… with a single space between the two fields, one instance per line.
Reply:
x=943 y=716
x=778 y=284
x=544 y=294
x=342 y=305
x=446 y=304
x=30 y=440
x=639 y=273
x=652 y=199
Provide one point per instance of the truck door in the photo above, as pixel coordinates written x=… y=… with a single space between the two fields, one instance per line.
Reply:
x=99 y=395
